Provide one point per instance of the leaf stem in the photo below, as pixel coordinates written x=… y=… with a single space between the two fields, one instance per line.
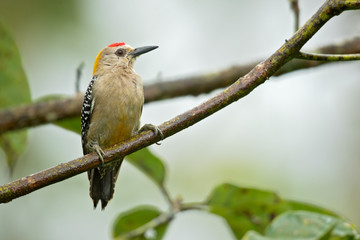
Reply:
x=166 y=195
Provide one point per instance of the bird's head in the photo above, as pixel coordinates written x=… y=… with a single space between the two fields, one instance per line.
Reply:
x=118 y=55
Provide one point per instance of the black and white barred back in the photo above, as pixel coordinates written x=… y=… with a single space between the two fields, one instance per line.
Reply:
x=86 y=111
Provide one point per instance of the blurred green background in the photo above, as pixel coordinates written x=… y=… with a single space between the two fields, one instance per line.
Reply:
x=297 y=134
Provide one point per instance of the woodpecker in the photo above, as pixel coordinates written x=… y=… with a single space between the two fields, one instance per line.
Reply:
x=111 y=112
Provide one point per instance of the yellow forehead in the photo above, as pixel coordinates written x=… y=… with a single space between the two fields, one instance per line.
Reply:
x=96 y=64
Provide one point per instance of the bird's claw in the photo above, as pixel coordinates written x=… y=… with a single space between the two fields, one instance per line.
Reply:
x=153 y=128
x=100 y=153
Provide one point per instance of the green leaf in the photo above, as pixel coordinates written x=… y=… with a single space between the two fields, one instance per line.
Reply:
x=295 y=205
x=247 y=209
x=13 y=144
x=244 y=208
x=252 y=235
x=72 y=124
x=14 y=86
x=303 y=225
x=148 y=163
x=14 y=90
x=133 y=219
x=310 y=225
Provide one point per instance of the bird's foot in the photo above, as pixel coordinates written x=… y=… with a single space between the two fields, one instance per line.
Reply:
x=100 y=153
x=153 y=128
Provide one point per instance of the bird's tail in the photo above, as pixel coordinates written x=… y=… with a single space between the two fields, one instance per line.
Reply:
x=102 y=183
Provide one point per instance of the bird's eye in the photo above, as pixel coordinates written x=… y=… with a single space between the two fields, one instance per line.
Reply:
x=120 y=52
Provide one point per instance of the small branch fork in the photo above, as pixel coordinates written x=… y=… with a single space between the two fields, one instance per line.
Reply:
x=243 y=86
x=160 y=220
x=176 y=206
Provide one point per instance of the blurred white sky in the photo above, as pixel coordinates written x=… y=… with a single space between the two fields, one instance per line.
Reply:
x=297 y=134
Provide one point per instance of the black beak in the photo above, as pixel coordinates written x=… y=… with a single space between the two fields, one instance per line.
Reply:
x=141 y=50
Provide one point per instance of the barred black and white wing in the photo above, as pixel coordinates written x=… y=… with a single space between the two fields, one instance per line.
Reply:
x=86 y=111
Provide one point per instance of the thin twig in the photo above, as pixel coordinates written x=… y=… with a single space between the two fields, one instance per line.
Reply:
x=194 y=206
x=328 y=57
x=242 y=87
x=294 y=5
x=166 y=195
x=78 y=77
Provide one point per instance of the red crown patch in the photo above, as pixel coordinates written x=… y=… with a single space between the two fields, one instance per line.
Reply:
x=117 y=44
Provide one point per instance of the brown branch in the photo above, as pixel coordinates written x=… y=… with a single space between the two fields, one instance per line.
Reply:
x=258 y=75
x=50 y=111
x=40 y=113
